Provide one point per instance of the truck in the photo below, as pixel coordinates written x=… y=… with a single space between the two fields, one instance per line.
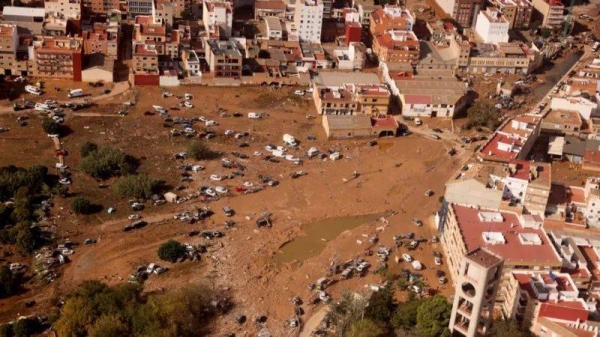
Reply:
x=289 y=140
x=75 y=93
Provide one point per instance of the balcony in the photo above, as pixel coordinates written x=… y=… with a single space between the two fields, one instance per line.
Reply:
x=466 y=309
x=462 y=327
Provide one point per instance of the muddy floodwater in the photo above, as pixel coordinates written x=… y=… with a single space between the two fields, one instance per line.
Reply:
x=318 y=234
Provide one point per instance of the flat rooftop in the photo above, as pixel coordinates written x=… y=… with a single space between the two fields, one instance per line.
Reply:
x=338 y=78
x=336 y=122
x=483 y=257
x=568 y=117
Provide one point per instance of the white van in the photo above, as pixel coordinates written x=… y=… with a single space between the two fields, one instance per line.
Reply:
x=416 y=265
x=254 y=115
x=75 y=93
x=289 y=140
x=334 y=156
x=33 y=90
x=418 y=121
x=278 y=153
x=313 y=151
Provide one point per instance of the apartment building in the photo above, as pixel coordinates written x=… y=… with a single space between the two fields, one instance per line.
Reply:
x=492 y=26
x=562 y=122
x=550 y=12
x=9 y=42
x=141 y=7
x=145 y=60
x=513 y=140
x=308 y=18
x=29 y=21
x=217 y=16
x=516 y=238
x=463 y=11
x=350 y=57
x=351 y=99
x=269 y=8
x=58 y=57
x=164 y=14
x=479 y=278
x=102 y=6
x=224 y=58
x=397 y=46
x=390 y=18
x=528 y=184
x=517 y=12
x=64 y=9
x=191 y=62
x=102 y=39
x=504 y=58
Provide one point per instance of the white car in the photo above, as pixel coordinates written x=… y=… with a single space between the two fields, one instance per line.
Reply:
x=239 y=136
x=128 y=103
x=188 y=105
x=229 y=132
x=270 y=148
x=313 y=151
x=221 y=189
x=210 y=192
x=309 y=90
x=407 y=257
x=299 y=92
x=41 y=107
x=334 y=156
x=158 y=108
x=280 y=148
x=167 y=94
x=254 y=115
x=64 y=181
x=188 y=96
x=248 y=184
x=215 y=177
x=210 y=123
x=438 y=261
x=33 y=90
x=134 y=217
x=49 y=102
x=417 y=265
x=257 y=153
x=226 y=160
x=291 y=158
x=197 y=168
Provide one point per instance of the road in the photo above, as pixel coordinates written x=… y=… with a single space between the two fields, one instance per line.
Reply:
x=313 y=322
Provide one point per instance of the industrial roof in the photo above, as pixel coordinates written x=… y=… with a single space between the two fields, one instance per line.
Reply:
x=23 y=11
x=336 y=122
x=338 y=78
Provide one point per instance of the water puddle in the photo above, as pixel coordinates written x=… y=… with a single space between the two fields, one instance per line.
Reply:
x=318 y=234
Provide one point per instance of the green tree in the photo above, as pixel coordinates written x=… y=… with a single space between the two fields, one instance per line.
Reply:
x=23 y=206
x=433 y=317
x=405 y=315
x=9 y=282
x=343 y=313
x=50 y=126
x=381 y=305
x=365 y=328
x=26 y=327
x=81 y=205
x=483 y=114
x=171 y=251
x=107 y=162
x=508 y=328
x=88 y=148
x=109 y=325
x=137 y=186
x=28 y=238
x=199 y=151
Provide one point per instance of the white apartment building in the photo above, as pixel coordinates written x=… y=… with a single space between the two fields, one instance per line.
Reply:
x=592 y=198
x=492 y=26
x=141 y=7
x=218 y=18
x=64 y=9
x=164 y=14
x=309 y=20
x=585 y=107
x=274 y=28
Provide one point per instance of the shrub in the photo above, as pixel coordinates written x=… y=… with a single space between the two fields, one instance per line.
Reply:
x=171 y=251
x=50 y=126
x=28 y=238
x=199 y=151
x=88 y=148
x=107 y=162
x=9 y=282
x=483 y=114
x=81 y=205
x=137 y=186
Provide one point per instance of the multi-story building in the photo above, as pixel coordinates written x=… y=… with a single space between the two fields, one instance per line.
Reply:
x=463 y=11
x=224 y=58
x=478 y=280
x=397 y=46
x=390 y=18
x=145 y=60
x=217 y=16
x=507 y=58
x=516 y=238
x=350 y=57
x=9 y=42
x=308 y=18
x=102 y=39
x=351 y=99
x=191 y=62
x=58 y=57
x=492 y=26
x=513 y=140
x=141 y=7
x=269 y=8
x=517 y=12
x=164 y=14
x=550 y=12
x=65 y=9
x=29 y=20
x=102 y=6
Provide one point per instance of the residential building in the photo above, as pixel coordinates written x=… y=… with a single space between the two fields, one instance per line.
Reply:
x=191 y=62
x=353 y=32
x=164 y=14
x=224 y=58
x=217 y=16
x=313 y=57
x=351 y=99
x=65 y=9
x=477 y=185
x=592 y=197
x=528 y=184
x=29 y=21
x=269 y=8
x=492 y=26
x=274 y=28
x=585 y=107
x=181 y=6
x=550 y=12
x=513 y=140
x=351 y=57
x=141 y=7
x=58 y=57
x=463 y=11
x=365 y=8
x=390 y=18
x=343 y=127
x=516 y=238
x=505 y=58
x=431 y=93
x=397 y=47
x=517 y=12
x=145 y=60
x=562 y=122
x=478 y=280
x=9 y=42
x=102 y=39
x=308 y=18
x=102 y=6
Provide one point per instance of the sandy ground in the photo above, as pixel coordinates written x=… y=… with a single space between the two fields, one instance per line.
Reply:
x=394 y=176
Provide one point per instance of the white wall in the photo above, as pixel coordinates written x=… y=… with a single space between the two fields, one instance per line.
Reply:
x=585 y=107
x=491 y=32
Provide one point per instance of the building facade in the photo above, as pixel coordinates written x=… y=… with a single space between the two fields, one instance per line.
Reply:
x=492 y=26
x=58 y=57
x=308 y=18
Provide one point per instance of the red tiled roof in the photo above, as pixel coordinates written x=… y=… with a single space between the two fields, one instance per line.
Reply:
x=564 y=310
x=491 y=148
x=513 y=252
x=577 y=195
x=522 y=171
x=417 y=99
x=386 y=122
x=592 y=260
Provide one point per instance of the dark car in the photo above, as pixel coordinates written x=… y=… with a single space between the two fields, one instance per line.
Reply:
x=243 y=144
x=438 y=130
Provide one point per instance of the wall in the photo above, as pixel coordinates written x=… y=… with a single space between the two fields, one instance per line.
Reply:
x=96 y=74
x=143 y=80
x=168 y=81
